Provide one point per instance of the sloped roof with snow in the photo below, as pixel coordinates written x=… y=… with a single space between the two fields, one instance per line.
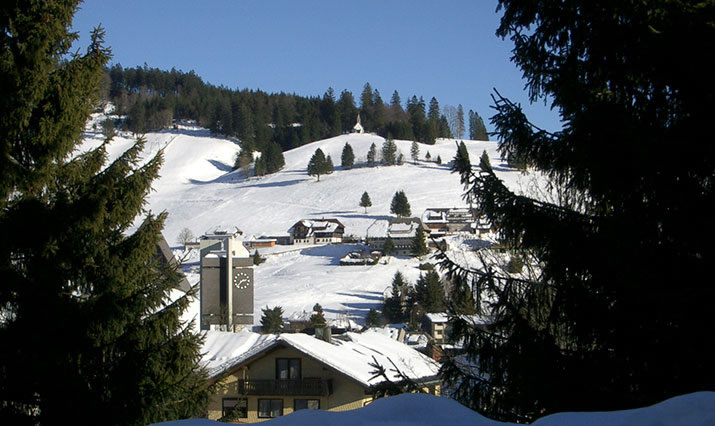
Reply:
x=351 y=355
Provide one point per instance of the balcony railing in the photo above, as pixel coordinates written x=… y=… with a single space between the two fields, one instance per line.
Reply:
x=305 y=387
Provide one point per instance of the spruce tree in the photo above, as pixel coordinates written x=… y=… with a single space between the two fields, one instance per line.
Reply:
x=257 y=258
x=373 y=318
x=415 y=151
x=365 y=201
x=347 y=158
x=461 y=162
x=430 y=293
x=371 y=154
x=329 y=168
x=389 y=152
x=88 y=329
x=389 y=247
x=318 y=165
x=484 y=162
x=419 y=244
x=399 y=205
x=599 y=325
x=272 y=320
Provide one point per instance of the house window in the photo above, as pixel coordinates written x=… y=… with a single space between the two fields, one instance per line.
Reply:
x=306 y=404
x=268 y=408
x=288 y=369
x=241 y=406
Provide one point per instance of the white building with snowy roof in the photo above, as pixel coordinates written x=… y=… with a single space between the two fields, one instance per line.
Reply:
x=317 y=231
x=401 y=230
x=267 y=376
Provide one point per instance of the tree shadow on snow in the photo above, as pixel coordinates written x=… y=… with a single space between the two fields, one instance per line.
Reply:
x=276 y=184
x=375 y=295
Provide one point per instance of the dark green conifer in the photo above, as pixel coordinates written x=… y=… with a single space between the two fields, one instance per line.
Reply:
x=318 y=164
x=347 y=158
x=399 y=205
x=88 y=329
x=272 y=320
x=365 y=201
x=419 y=244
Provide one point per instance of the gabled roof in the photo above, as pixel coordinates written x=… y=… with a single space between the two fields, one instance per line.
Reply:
x=349 y=356
x=322 y=225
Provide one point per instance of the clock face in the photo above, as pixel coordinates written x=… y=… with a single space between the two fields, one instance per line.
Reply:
x=241 y=280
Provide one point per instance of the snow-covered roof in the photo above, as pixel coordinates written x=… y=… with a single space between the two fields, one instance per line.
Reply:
x=325 y=225
x=437 y=317
x=350 y=355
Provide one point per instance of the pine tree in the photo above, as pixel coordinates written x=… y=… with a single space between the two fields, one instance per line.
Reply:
x=598 y=326
x=415 y=151
x=272 y=320
x=347 y=158
x=419 y=244
x=257 y=258
x=389 y=247
x=477 y=130
x=373 y=318
x=399 y=205
x=371 y=154
x=461 y=162
x=484 y=162
x=86 y=317
x=389 y=152
x=318 y=317
x=430 y=293
x=365 y=201
x=329 y=168
x=439 y=159
x=460 y=122
x=428 y=156
x=318 y=165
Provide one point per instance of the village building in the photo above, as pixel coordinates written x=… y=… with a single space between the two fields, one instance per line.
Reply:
x=166 y=257
x=226 y=290
x=357 y=128
x=260 y=242
x=267 y=376
x=323 y=231
x=401 y=230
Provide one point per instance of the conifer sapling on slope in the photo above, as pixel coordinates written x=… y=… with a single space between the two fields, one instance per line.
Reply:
x=415 y=151
x=365 y=201
x=318 y=164
x=347 y=158
x=419 y=245
x=399 y=205
x=371 y=155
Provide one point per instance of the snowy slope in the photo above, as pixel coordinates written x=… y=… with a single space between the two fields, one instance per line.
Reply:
x=199 y=191
x=696 y=409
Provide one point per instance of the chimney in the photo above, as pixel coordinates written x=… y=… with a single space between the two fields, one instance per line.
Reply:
x=323 y=332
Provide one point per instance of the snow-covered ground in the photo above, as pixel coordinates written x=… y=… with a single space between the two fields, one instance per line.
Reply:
x=697 y=409
x=200 y=191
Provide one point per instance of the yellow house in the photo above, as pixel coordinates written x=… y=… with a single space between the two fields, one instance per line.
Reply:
x=266 y=376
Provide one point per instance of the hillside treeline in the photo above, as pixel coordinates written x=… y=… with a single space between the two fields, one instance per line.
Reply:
x=151 y=99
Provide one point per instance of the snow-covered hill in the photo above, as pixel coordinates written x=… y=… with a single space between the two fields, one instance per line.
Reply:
x=696 y=409
x=200 y=191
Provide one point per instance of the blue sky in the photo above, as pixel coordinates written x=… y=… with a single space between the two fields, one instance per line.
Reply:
x=426 y=48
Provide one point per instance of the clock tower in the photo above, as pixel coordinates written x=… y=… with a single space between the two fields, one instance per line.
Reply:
x=226 y=282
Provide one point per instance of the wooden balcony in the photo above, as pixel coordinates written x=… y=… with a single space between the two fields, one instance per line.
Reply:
x=305 y=387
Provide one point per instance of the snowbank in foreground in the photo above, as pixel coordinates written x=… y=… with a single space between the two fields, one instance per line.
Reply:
x=696 y=409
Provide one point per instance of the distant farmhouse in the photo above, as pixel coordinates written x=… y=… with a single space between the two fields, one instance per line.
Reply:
x=440 y=222
x=309 y=231
x=400 y=230
x=267 y=376
x=226 y=296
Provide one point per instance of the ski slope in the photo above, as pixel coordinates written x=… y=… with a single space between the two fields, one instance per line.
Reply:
x=200 y=191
